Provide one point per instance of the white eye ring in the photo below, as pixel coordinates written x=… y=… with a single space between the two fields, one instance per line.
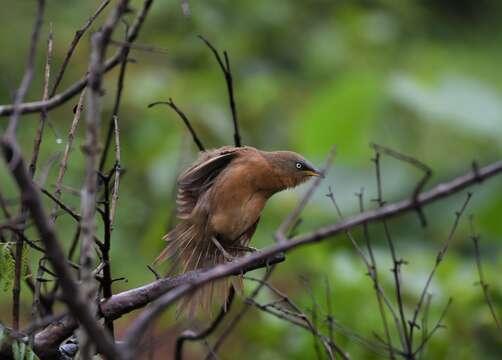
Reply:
x=298 y=165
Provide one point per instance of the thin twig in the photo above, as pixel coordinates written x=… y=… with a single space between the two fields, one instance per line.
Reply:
x=416 y=163
x=396 y=269
x=28 y=74
x=439 y=258
x=372 y=269
x=43 y=113
x=182 y=115
x=9 y=140
x=240 y=315
x=484 y=285
x=117 y=169
x=66 y=154
x=434 y=329
x=60 y=204
x=190 y=335
x=227 y=73
x=78 y=35
x=425 y=322
x=116 y=106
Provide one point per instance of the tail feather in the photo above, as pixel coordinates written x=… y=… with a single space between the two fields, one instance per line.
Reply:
x=187 y=244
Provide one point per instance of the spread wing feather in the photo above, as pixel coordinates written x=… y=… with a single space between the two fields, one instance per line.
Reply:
x=197 y=179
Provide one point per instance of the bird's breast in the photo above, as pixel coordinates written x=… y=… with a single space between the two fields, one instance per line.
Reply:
x=236 y=203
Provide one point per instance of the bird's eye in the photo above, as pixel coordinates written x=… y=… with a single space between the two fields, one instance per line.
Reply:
x=299 y=165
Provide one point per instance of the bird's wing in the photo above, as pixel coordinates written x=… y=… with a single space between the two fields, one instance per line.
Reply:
x=197 y=179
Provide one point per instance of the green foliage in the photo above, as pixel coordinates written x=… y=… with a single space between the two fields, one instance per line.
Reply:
x=18 y=350
x=7 y=264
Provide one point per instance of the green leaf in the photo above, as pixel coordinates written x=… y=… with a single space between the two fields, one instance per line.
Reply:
x=18 y=350
x=25 y=261
x=7 y=264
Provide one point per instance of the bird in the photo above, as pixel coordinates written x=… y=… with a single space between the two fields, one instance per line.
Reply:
x=219 y=201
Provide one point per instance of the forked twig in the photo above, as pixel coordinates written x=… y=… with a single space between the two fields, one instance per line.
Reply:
x=416 y=163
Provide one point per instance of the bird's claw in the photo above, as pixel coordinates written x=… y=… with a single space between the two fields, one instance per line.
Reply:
x=225 y=254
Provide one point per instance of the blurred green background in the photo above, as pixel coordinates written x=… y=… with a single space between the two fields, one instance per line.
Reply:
x=422 y=77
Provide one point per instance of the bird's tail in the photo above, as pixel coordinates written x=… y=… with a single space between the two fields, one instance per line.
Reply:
x=191 y=250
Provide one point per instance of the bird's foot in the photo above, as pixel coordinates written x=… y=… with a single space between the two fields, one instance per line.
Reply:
x=225 y=254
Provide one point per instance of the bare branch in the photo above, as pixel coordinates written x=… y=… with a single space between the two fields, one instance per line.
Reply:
x=191 y=335
x=484 y=285
x=439 y=258
x=43 y=113
x=416 y=163
x=227 y=72
x=117 y=169
x=78 y=35
x=434 y=329
x=28 y=74
x=237 y=318
x=66 y=154
x=182 y=115
x=9 y=139
x=116 y=106
x=397 y=263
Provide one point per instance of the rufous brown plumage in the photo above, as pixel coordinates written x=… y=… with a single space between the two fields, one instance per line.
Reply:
x=220 y=199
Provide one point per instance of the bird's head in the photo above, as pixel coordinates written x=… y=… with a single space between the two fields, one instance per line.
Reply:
x=291 y=168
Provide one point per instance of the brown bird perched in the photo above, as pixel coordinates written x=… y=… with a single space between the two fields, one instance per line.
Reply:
x=220 y=199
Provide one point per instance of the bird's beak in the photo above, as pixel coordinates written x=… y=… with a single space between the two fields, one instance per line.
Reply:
x=314 y=172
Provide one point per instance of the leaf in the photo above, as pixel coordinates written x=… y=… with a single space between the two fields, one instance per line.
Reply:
x=7 y=264
x=25 y=269
x=18 y=350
